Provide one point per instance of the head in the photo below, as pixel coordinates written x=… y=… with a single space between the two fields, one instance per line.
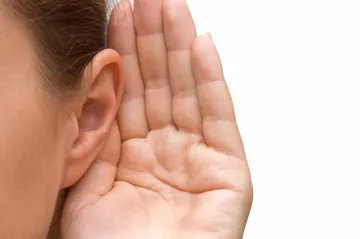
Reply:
x=60 y=89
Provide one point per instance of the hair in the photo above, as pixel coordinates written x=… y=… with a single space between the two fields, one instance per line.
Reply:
x=67 y=35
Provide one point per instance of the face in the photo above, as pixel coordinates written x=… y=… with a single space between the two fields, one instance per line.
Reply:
x=32 y=139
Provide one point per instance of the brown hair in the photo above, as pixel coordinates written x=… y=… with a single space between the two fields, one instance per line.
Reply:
x=67 y=34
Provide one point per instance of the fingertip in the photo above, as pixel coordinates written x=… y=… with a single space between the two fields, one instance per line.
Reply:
x=179 y=27
x=172 y=7
x=121 y=33
x=121 y=14
x=203 y=43
x=206 y=59
x=119 y=11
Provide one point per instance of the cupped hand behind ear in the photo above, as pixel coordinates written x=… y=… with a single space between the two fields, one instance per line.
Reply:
x=174 y=165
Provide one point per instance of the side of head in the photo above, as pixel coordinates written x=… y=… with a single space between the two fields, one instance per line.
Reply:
x=59 y=93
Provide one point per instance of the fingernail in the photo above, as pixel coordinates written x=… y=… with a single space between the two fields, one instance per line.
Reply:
x=209 y=35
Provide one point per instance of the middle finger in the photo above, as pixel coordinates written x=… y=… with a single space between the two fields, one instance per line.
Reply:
x=180 y=33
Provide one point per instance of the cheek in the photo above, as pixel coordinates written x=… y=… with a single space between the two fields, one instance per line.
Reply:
x=31 y=153
x=30 y=164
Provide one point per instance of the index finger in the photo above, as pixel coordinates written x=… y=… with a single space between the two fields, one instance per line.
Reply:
x=122 y=37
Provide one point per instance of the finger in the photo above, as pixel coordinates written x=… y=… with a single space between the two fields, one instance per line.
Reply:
x=122 y=38
x=153 y=61
x=100 y=177
x=180 y=33
x=219 y=123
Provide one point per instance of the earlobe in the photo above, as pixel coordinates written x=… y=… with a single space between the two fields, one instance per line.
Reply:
x=99 y=106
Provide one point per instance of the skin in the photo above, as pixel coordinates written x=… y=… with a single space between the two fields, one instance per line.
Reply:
x=174 y=166
x=46 y=143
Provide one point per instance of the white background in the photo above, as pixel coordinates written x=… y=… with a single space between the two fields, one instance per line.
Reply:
x=293 y=68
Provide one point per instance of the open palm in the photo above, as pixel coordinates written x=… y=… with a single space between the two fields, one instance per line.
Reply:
x=180 y=171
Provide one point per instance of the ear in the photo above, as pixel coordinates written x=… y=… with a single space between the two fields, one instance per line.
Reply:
x=102 y=89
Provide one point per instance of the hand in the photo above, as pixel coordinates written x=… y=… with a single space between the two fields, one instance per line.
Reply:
x=179 y=168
